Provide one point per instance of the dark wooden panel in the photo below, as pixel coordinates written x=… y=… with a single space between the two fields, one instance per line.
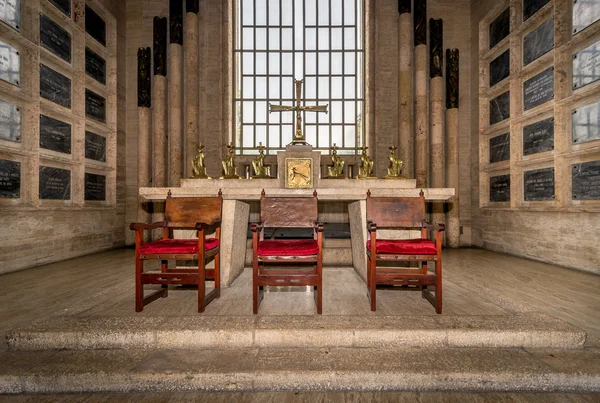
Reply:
x=55 y=135
x=538 y=137
x=55 y=87
x=538 y=89
x=55 y=183
x=586 y=181
x=95 y=146
x=54 y=38
x=396 y=211
x=95 y=187
x=10 y=179
x=187 y=211
x=500 y=108
x=500 y=68
x=500 y=28
x=95 y=25
x=95 y=106
x=288 y=211
x=538 y=184
x=538 y=42
x=500 y=148
x=95 y=66
x=500 y=188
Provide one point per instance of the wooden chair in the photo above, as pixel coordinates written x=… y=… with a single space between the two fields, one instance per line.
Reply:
x=200 y=213
x=402 y=213
x=287 y=212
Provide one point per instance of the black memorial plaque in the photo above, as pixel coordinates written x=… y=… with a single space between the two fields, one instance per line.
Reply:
x=586 y=66
x=500 y=68
x=586 y=181
x=95 y=25
x=538 y=137
x=10 y=179
x=54 y=38
x=63 y=5
x=95 y=66
x=500 y=28
x=538 y=89
x=54 y=86
x=500 y=108
x=95 y=187
x=538 y=184
x=55 y=183
x=95 y=146
x=10 y=12
x=500 y=188
x=530 y=7
x=10 y=122
x=95 y=106
x=586 y=123
x=500 y=148
x=55 y=135
x=538 y=42
x=585 y=13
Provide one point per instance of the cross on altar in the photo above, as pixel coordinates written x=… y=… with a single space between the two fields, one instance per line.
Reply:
x=298 y=137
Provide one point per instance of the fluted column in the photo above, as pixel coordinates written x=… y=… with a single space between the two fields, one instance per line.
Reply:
x=191 y=80
x=144 y=167
x=452 y=217
x=421 y=86
x=405 y=91
x=175 y=95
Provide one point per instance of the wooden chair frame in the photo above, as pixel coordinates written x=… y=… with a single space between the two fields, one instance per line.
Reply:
x=200 y=213
x=402 y=213
x=287 y=212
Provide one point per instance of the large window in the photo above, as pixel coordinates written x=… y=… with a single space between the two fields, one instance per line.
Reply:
x=318 y=41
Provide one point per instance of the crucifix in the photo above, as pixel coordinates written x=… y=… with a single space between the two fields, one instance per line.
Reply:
x=298 y=136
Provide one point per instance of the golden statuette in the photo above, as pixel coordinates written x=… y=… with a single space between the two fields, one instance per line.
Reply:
x=336 y=171
x=229 y=169
x=199 y=170
x=395 y=168
x=366 y=166
x=260 y=170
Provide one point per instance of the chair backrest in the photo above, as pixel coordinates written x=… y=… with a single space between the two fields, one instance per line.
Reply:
x=288 y=212
x=185 y=212
x=407 y=212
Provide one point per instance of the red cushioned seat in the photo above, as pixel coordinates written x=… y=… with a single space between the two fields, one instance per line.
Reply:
x=170 y=246
x=405 y=246
x=294 y=247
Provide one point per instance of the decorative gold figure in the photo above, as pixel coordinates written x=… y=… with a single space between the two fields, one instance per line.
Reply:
x=198 y=165
x=229 y=169
x=298 y=173
x=395 y=168
x=366 y=166
x=260 y=170
x=337 y=170
x=298 y=136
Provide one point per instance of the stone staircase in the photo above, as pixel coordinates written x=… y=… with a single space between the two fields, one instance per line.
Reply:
x=527 y=352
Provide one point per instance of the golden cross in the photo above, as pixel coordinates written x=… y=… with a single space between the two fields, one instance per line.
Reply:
x=298 y=137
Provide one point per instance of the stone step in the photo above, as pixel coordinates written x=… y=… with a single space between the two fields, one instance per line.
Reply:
x=301 y=369
x=530 y=330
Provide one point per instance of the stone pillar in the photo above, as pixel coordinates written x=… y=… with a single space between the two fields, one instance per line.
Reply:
x=175 y=95
x=144 y=166
x=452 y=218
x=405 y=90
x=191 y=84
x=436 y=62
x=421 y=86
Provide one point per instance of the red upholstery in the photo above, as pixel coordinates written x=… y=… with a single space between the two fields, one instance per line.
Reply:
x=294 y=247
x=182 y=246
x=405 y=246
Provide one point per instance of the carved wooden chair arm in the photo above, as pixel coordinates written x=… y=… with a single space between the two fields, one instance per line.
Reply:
x=137 y=226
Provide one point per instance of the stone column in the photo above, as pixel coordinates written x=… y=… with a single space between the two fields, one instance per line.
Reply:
x=191 y=84
x=452 y=218
x=175 y=95
x=405 y=90
x=144 y=166
x=436 y=62
x=421 y=86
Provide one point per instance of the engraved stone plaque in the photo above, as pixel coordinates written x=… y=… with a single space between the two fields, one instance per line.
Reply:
x=54 y=38
x=538 y=184
x=538 y=137
x=95 y=106
x=500 y=188
x=500 y=68
x=54 y=86
x=10 y=122
x=538 y=42
x=499 y=28
x=586 y=181
x=95 y=25
x=10 y=13
x=500 y=148
x=55 y=135
x=538 y=89
x=500 y=108
x=55 y=183
x=585 y=13
x=586 y=66
x=95 y=146
x=10 y=179
x=95 y=66
x=62 y=5
x=10 y=64
x=586 y=123
x=530 y=7
x=95 y=187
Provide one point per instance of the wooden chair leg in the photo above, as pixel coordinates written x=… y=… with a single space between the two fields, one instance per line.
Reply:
x=368 y=273
x=201 y=283
x=319 y=288
x=438 y=286
x=218 y=274
x=164 y=265
x=373 y=284
x=255 y=287
x=139 y=287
